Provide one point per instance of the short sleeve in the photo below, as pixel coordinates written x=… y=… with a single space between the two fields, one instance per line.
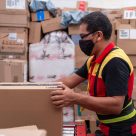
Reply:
x=82 y=72
x=116 y=75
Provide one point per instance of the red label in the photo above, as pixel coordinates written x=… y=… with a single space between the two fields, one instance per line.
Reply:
x=82 y=5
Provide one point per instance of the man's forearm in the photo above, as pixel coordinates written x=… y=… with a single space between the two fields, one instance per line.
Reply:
x=72 y=80
x=66 y=82
x=103 y=105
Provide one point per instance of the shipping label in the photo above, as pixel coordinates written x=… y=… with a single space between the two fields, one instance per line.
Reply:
x=15 y=4
x=12 y=36
x=130 y=14
x=124 y=34
x=133 y=34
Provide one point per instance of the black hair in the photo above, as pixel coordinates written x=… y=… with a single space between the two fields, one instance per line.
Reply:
x=97 y=21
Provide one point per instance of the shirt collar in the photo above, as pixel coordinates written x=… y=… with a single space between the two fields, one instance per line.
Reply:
x=109 y=47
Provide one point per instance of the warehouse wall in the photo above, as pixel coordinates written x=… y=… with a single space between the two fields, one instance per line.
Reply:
x=97 y=3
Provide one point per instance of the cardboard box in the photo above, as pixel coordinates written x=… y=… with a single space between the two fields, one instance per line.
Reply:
x=112 y=15
x=126 y=39
x=118 y=24
x=113 y=35
x=129 y=46
x=125 y=21
x=30 y=104
x=35 y=33
x=73 y=29
x=133 y=23
x=58 y=12
x=14 y=13
x=20 y=56
x=13 y=40
x=129 y=13
x=40 y=16
x=51 y=25
x=14 y=18
x=13 y=70
x=133 y=59
x=82 y=5
x=21 y=131
x=7 y=132
x=94 y=9
x=68 y=9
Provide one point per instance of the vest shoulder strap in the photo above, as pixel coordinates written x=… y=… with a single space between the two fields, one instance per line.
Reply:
x=89 y=62
x=119 y=53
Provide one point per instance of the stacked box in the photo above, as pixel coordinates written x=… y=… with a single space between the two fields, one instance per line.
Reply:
x=13 y=42
x=14 y=24
x=126 y=33
x=43 y=22
x=14 y=13
x=13 y=70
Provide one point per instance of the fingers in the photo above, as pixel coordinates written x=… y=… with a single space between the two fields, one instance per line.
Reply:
x=56 y=97
x=58 y=103
x=60 y=106
x=57 y=92
x=62 y=86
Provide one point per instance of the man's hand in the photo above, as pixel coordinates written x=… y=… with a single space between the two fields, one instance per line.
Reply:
x=64 y=97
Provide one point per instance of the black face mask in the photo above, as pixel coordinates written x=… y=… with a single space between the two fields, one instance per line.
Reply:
x=86 y=46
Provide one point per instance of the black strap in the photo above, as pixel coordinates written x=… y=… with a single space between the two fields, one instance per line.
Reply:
x=97 y=73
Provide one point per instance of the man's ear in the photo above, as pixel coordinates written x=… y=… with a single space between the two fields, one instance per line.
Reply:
x=100 y=36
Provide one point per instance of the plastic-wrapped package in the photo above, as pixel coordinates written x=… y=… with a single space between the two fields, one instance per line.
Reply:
x=72 y=17
x=37 y=5
x=52 y=58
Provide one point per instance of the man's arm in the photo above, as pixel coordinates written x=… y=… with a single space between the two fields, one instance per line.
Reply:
x=76 y=78
x=72 y=80
x=116 y=80
x=103 y=105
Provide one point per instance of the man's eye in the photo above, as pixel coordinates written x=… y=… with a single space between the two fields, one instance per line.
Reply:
x=81 y=35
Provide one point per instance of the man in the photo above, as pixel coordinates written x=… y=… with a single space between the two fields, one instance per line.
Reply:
x=110 y=79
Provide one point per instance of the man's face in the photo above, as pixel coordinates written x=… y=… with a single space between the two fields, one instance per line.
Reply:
x=90 y=41
x=85 y=35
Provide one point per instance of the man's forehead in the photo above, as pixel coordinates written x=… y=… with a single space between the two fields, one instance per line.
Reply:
x=83 y=29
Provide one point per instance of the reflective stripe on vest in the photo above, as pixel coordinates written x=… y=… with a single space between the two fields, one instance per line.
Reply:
x=119 y=53
x=131 y=114
x=89 y=68
x=125 y=114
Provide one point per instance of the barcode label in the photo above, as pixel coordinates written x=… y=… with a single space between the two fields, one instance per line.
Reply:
x=133 y=34
x=12 y=36
x=124 y=34
x=15 y=4
x=127 y=34
x=130 y=14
